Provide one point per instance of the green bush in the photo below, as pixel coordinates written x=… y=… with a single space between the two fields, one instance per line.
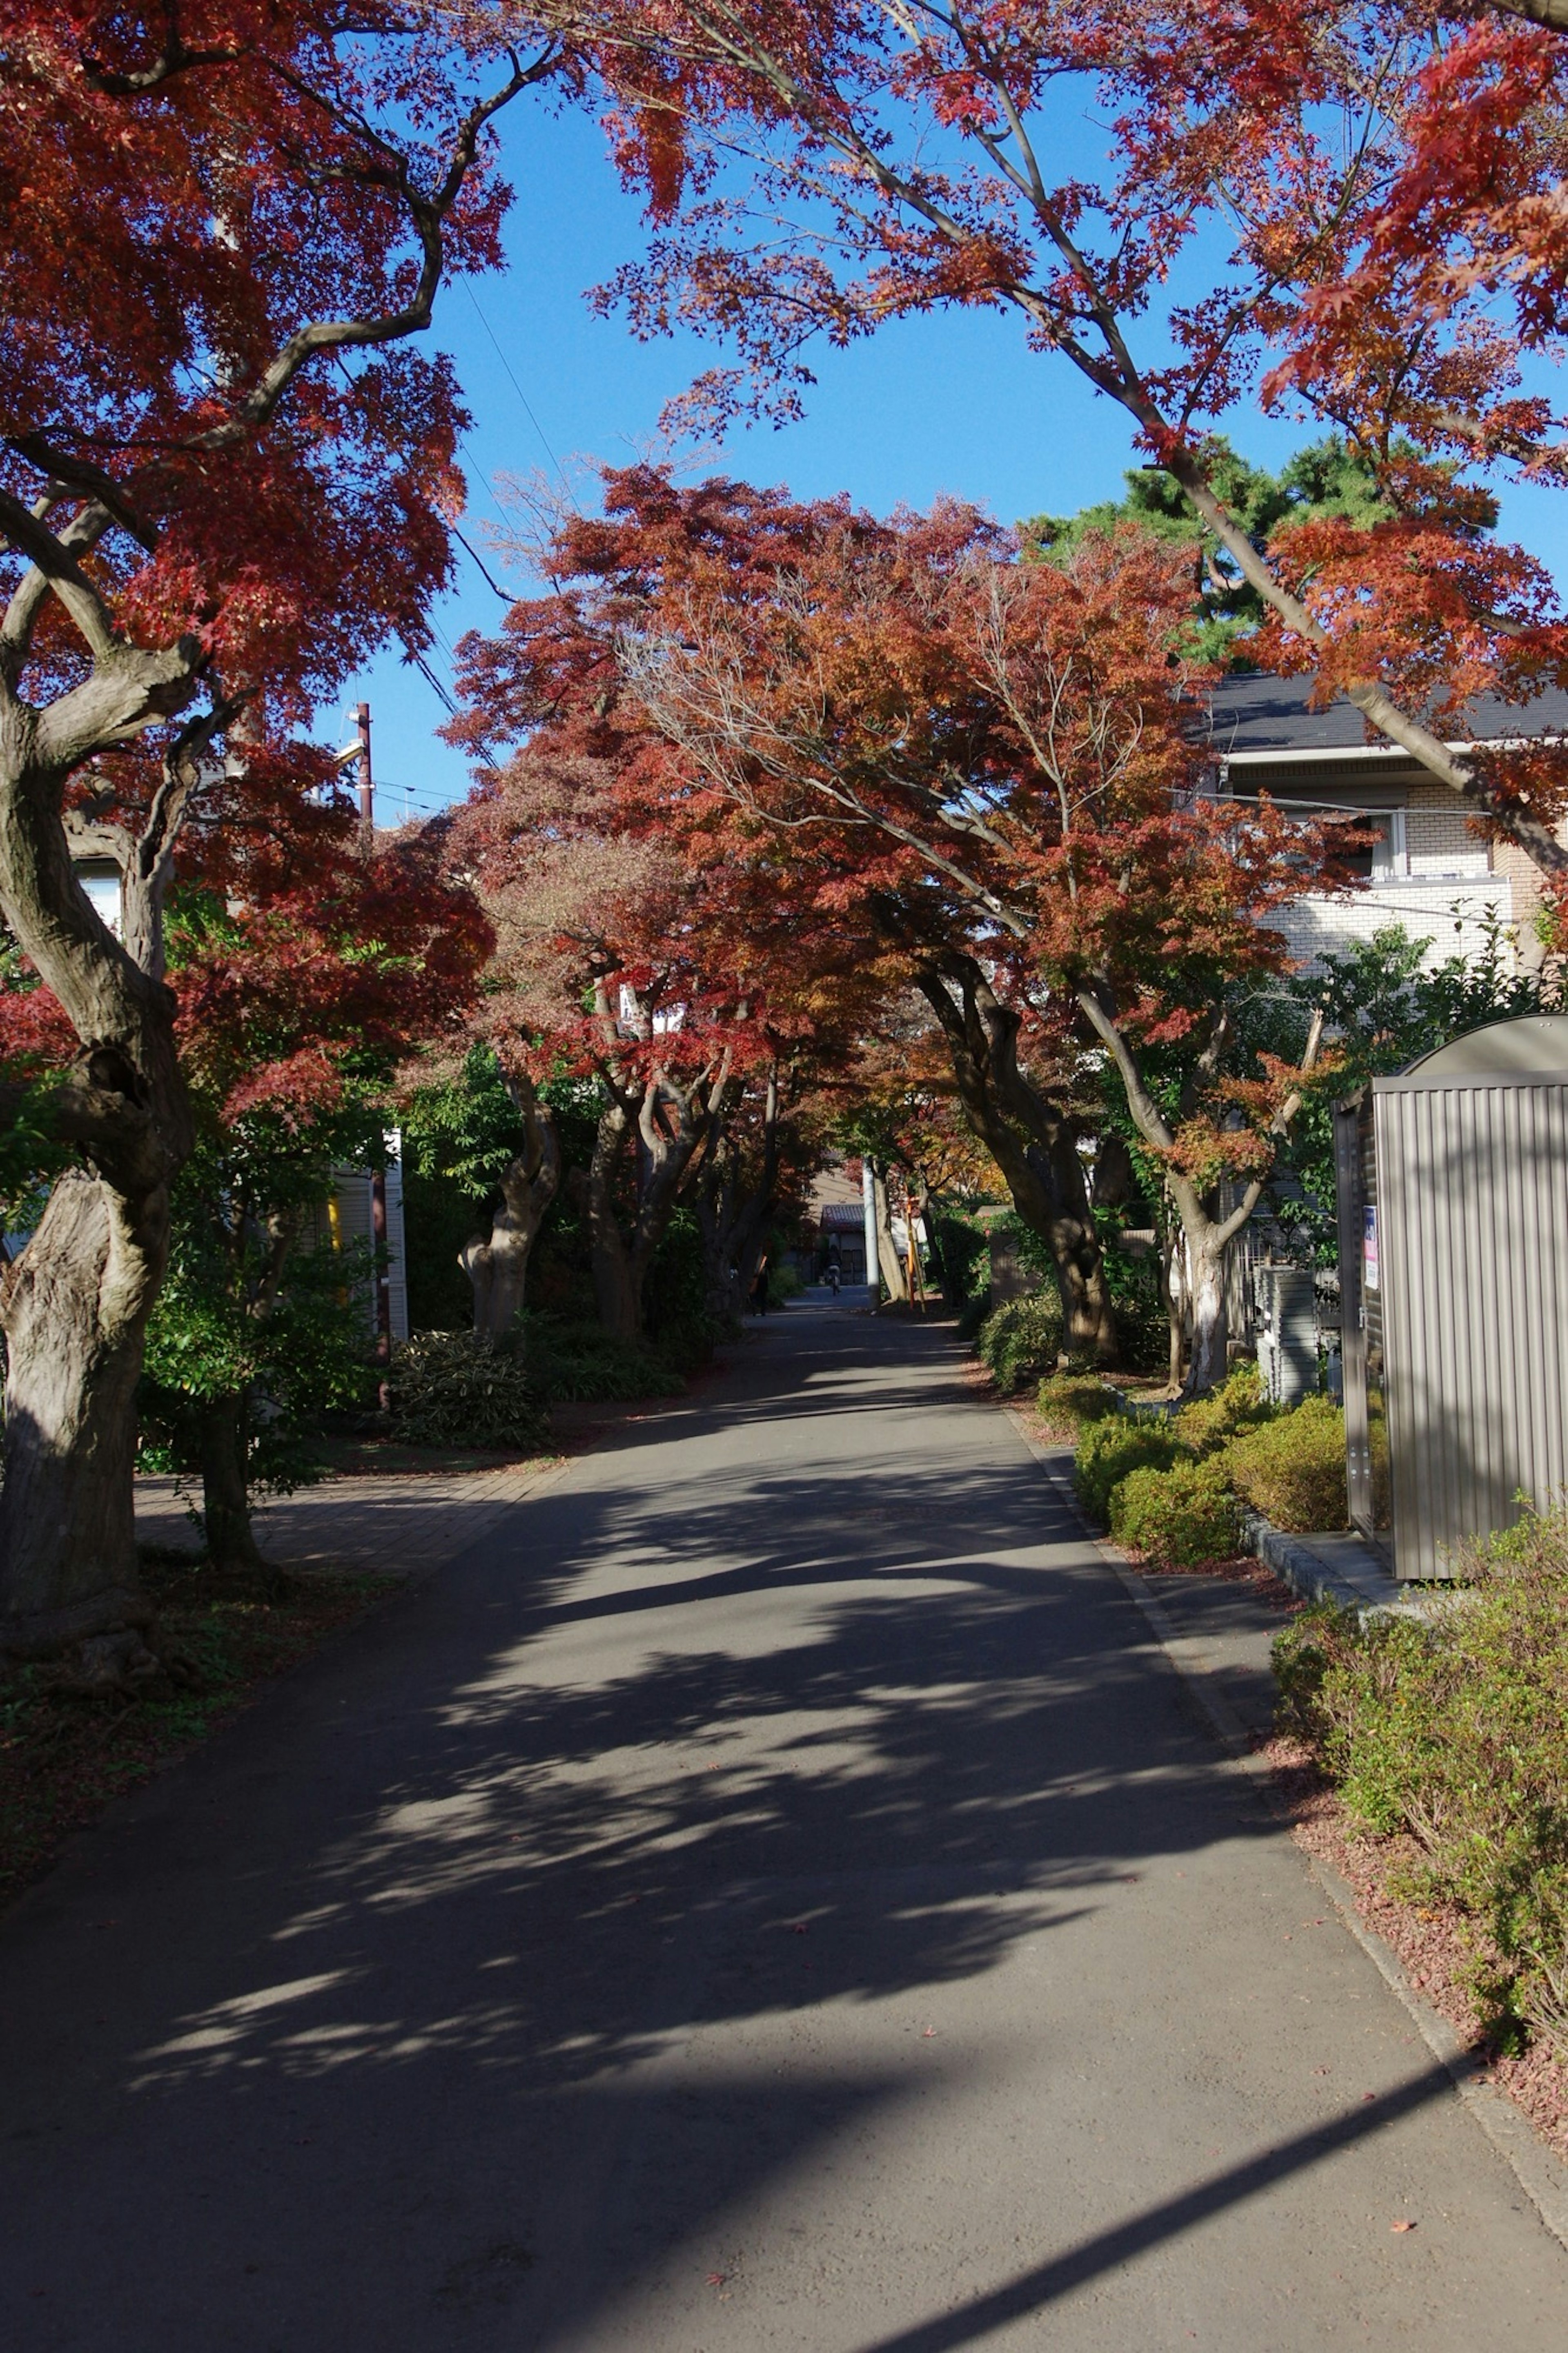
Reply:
x=458 y=1388
x=1292 y=1468
x=1238 y=1404
x=584 y=1363
x=1022 y=1339
x=1108 y=1451
x=962 y=1261
x=1455 y=1732
x=1068 y=1402
x=1181 y=1518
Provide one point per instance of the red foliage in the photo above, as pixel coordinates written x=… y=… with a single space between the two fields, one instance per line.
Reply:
x=1367 y=197
x=186 y=190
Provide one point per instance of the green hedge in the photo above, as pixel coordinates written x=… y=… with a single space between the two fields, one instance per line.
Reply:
x=458 y=1388
x=1292 y=1469
x=1108 y=1451
x=1179 y=1517
x=1238 y=1404
x=1455 y=1732
x=583 y=1363
x=1022 y=1339
x=1290 y=1466
x=1068 y=1402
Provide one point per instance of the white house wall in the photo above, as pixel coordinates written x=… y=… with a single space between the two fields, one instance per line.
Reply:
x=352 y=1192
x=1454 y=914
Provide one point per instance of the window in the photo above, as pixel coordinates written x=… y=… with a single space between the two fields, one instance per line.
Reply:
x=1383 y=854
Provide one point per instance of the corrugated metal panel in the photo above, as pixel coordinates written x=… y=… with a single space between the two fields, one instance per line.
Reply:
x=1473 y=1246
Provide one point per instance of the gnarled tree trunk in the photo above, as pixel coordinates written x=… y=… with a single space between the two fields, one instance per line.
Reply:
x=1205 y=1238
x=75 y=1308
x=733 y=1221
x=887 y=1258
x=670 y=1122
x=75 y=1305
x=1033 y=1141
x=497 y=1266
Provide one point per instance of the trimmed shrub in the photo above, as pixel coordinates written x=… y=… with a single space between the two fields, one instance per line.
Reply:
x=584 y=1363
x=458 y=1388
x=1454 y=1732
x=1292 y=1468
x=1237 y=1405
x=1067 y=1403
x=1108 y=1451
x=1179 y=1517
x=1022 y=1339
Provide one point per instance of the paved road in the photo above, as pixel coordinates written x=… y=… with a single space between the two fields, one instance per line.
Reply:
x=766 y=1894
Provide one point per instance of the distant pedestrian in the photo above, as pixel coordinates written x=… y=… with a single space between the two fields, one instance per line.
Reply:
x=759 y=1287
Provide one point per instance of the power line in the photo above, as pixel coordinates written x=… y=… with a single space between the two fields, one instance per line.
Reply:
x=484 y=569
x=522 y=396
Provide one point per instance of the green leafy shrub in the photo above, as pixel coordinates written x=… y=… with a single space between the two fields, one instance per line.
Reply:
x=1238 y=1404
x=1292 y=1468
x=1021 y=1339
x=458 y=1388
x=1067 y=1403
x=586 y=1364
x=1108 y=1451
x=962 y=1261
x=1181 y=1516
x=1455 y=1732
x=974 y=1312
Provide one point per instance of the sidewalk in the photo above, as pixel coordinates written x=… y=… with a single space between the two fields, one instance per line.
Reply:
x=403 y=1524
x=768 y=1893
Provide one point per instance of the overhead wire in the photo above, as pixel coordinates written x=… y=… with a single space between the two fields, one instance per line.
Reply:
x=522 y=396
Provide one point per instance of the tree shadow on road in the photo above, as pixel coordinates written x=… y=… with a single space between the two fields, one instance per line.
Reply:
x=752 y=1740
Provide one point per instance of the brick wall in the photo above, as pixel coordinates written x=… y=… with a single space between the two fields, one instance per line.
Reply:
x=1426 y=909
x=1437 y=836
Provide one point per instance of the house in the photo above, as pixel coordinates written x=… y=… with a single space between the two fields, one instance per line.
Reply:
x=365 y=1205
x=1426 y=868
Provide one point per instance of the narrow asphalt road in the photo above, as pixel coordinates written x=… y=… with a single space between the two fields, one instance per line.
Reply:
x=770 y=1891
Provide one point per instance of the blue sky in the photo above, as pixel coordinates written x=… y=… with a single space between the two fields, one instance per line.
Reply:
x=953 y=402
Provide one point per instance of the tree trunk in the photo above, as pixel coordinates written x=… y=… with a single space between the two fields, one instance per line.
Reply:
x=616 y=1295
x=223 y=1434
x=733 y=1223
x=669 y=1123
x=887 y=1258
x=1176 y=1326
x=1210 y=1324
x=497 y=1268
x=1033 y=1143
x=75 y=1308
x=1088 y=1316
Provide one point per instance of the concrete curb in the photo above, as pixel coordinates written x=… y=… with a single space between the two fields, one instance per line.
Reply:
x=1541 y=2173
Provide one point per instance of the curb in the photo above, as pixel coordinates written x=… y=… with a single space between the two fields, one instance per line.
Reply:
x=1542 y=2175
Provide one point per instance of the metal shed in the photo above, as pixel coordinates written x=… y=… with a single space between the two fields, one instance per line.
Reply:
x=1452 y=1240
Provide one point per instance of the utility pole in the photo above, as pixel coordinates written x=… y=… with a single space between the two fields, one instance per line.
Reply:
x=366 y=790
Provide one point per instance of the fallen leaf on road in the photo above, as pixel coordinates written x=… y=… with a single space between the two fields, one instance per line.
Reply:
x=926 y=2033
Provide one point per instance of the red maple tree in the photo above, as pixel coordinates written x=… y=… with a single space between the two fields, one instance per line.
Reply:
x=1365 y=197
x=994 y=767
x=224 y=477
